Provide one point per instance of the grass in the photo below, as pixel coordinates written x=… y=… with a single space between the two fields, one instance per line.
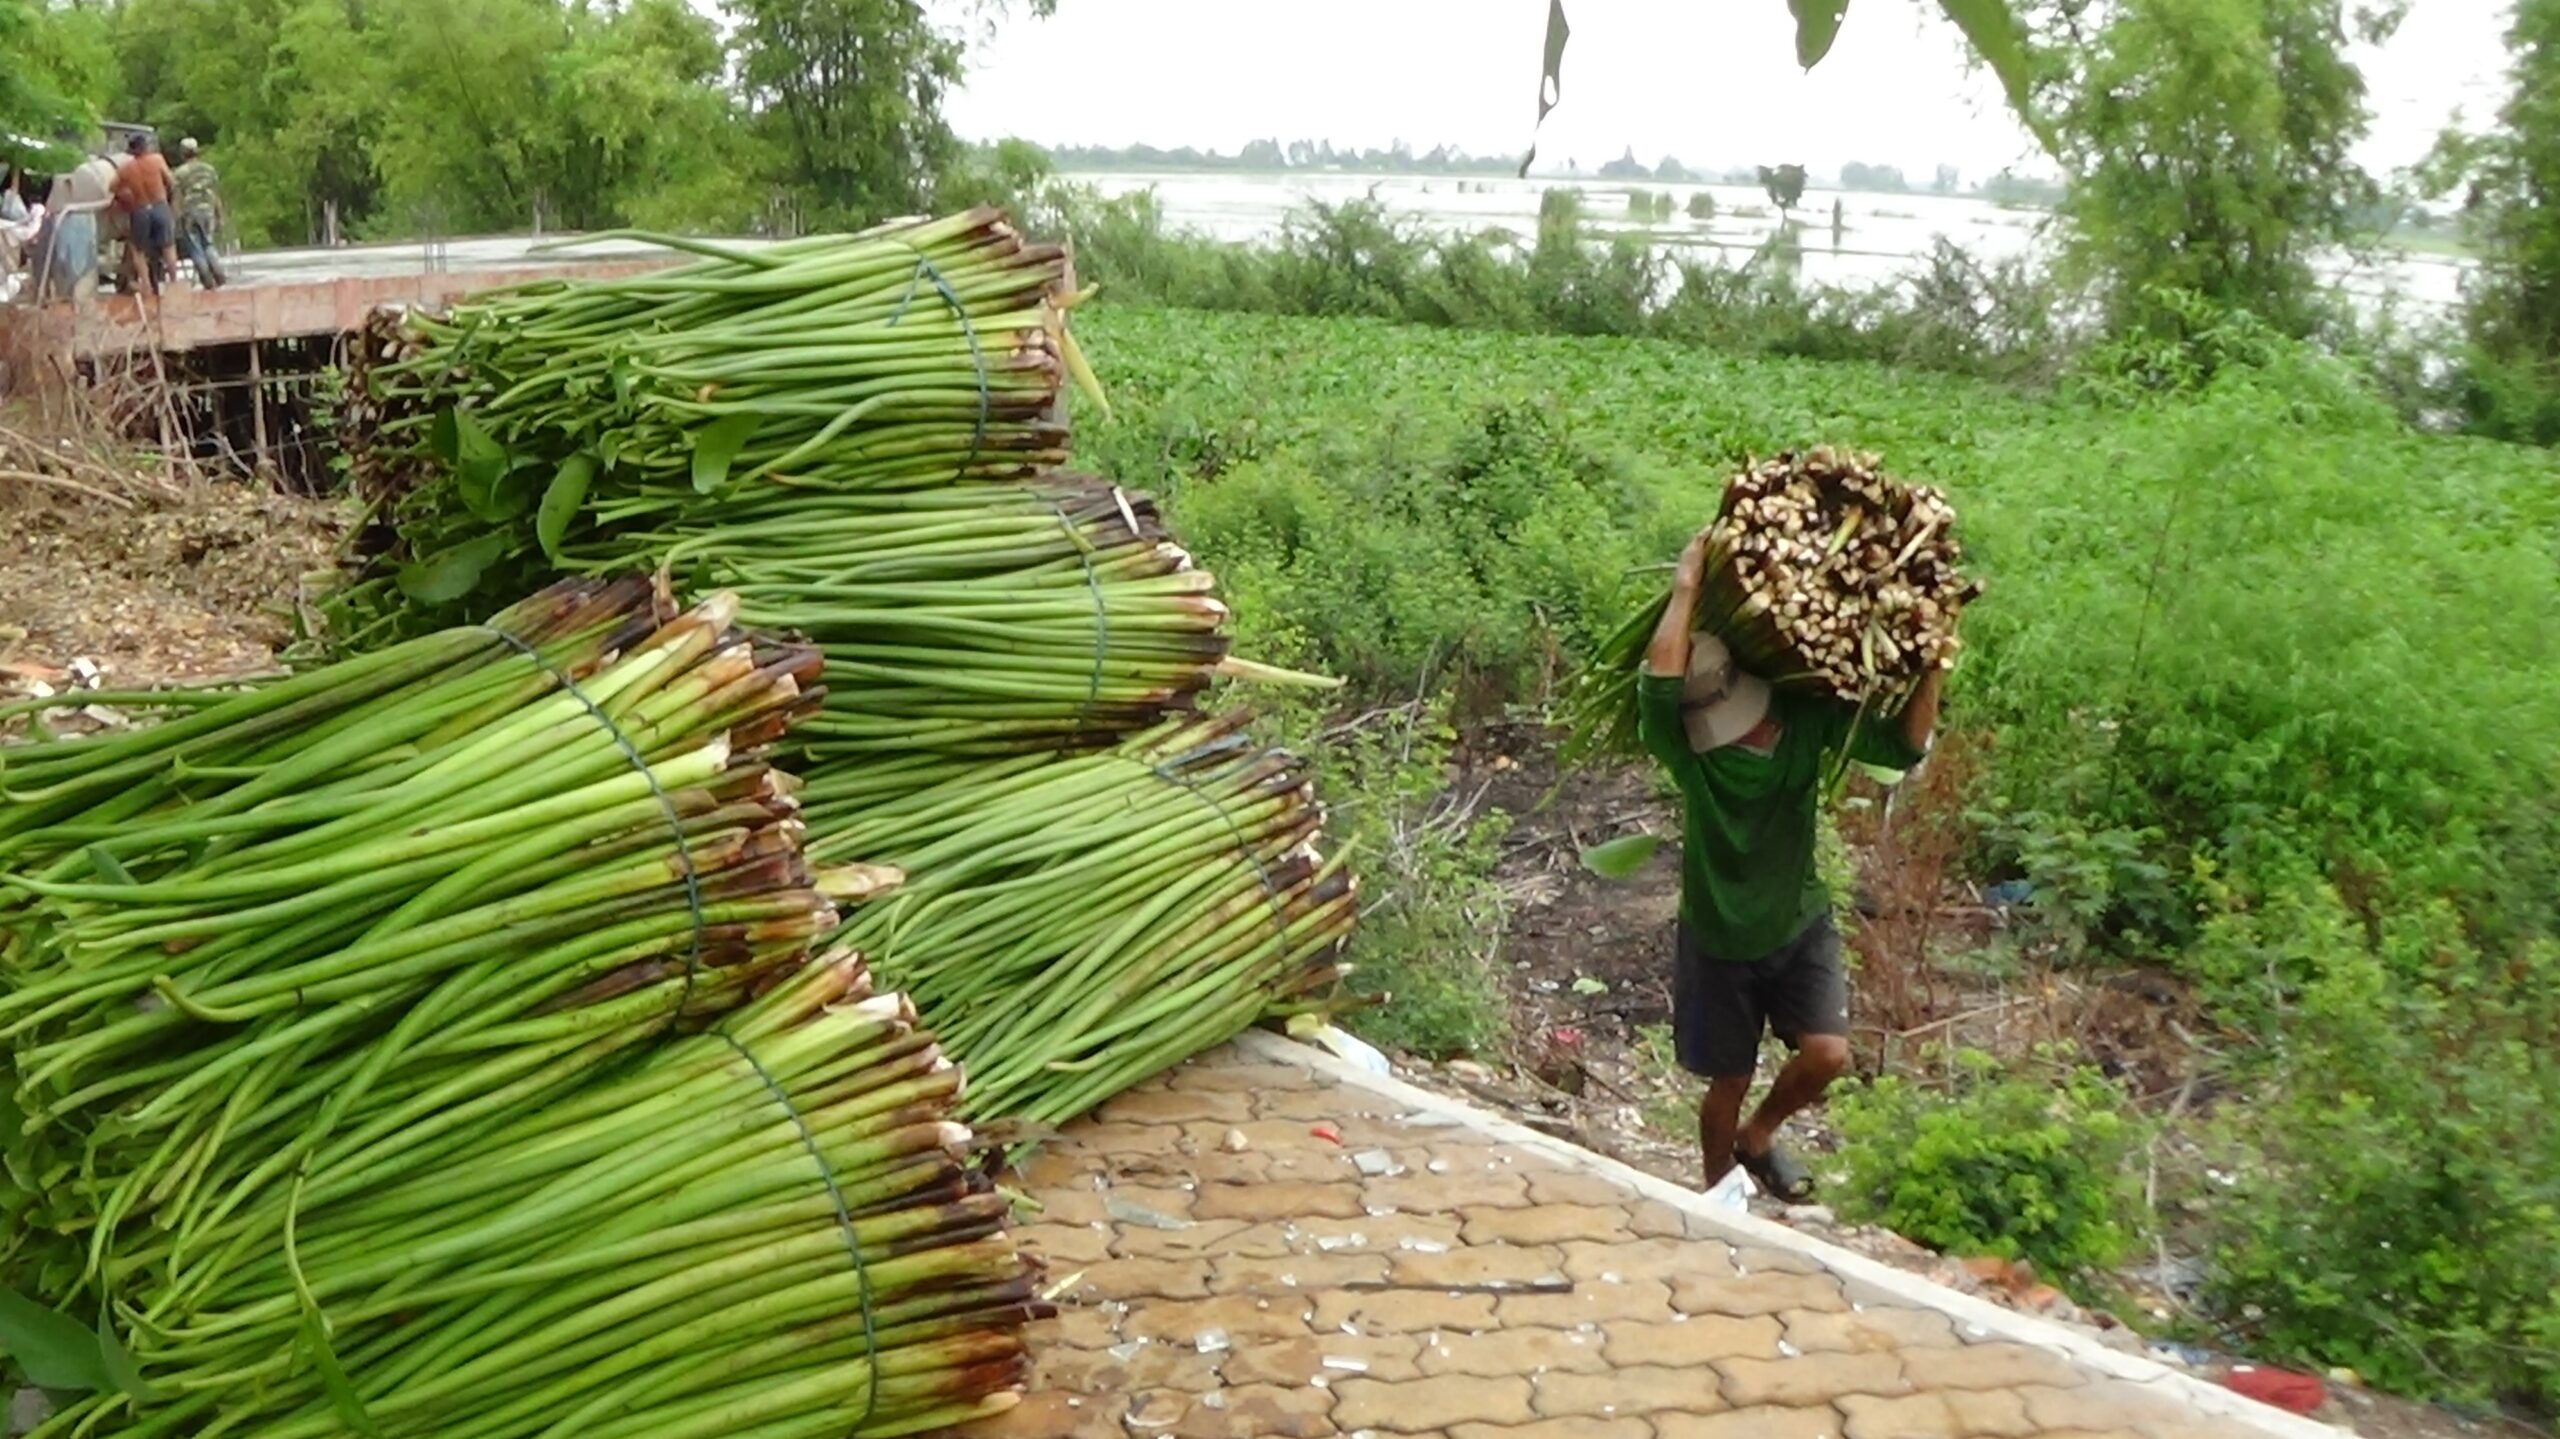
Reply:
x=2254 y=653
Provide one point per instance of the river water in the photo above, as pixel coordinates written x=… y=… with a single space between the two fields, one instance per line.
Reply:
x=1876 y=241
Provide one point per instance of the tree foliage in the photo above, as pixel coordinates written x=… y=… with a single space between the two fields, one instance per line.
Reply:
x=366 y=119
x=848 y=96
x=2509 y=180
x=1785 y=184
x=2207 y=143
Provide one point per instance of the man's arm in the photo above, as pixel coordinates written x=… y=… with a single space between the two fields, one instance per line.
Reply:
x=1920 y=717
x=1668 y=655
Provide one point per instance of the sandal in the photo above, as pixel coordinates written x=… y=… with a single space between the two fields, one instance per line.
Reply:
x=1777 y=1173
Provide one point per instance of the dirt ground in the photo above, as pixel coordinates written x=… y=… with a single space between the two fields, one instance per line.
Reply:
x=183 y=580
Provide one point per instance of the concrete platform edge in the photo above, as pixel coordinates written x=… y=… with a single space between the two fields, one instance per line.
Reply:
x=1856 y=1270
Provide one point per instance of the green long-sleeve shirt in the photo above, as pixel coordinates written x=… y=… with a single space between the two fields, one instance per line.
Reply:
x=1747 y=879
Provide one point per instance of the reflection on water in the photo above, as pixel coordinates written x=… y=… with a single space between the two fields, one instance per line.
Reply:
x=1876 y=238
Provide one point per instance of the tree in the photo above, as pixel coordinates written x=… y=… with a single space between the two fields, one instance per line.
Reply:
x=2509 y=180
x=849 y=95
x=1785 y=184
x=1626 y=167
x=290 y=94
x=1946 y=182
x=2207 y=143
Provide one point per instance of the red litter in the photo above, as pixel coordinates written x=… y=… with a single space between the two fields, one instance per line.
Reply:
x=1325 y=1132
x=2283 y=1388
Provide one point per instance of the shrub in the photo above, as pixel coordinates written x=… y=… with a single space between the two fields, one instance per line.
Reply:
x=2397 y=1200
x=2030 y=1167
x=1702 y=206
x=1480 y=566
x=1432 y=916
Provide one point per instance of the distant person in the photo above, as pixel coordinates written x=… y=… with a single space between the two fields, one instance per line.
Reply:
x=200 y=213
x=1839 y=222
x=68 y=262
x=142 y=191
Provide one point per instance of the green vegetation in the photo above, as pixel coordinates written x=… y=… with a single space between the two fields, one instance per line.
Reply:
x=469 y=116
x=2510 y=380
x=2248 y=656
x=2018 y=1165
x=2231 y=171
x=1359 y=258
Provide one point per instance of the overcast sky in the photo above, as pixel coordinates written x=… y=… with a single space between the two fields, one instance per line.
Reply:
x=1711 y=81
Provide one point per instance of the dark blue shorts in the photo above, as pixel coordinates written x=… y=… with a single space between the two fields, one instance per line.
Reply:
x=1721 y=1007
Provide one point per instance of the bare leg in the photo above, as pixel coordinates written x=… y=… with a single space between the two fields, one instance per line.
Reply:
x=1820 y=1059
x=1719 y=1119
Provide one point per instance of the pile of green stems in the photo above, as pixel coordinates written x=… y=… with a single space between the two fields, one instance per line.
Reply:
x=978 y=619
x=902 y=357
x=1073 y=924
x=764 y=1232
x=367 y=903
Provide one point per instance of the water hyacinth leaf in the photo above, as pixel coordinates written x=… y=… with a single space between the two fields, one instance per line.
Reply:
x=1620 y=858
x=1817 y=26
x=51 y=1349
x=119 y=1366
x=450 y=574
x=479 y=463
x=560 y=502
x=717 y=447
x=334 y=1382
x=1992 y=29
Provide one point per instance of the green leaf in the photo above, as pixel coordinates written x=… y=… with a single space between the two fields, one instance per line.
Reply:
x=1620 y=858
x=119 y=1365
x=109 y=868
x=333 y=1377
x=1817 y=25
x=560 y=501
x=52 y=1349
x=480 y=462
x=717 y=448
x=441 y=437
x=1993 y=31
x=448 y=576
x=1588 y=984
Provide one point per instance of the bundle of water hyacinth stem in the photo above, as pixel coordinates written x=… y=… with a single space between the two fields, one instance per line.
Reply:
x=1822 y=574
x=1074 y=924
x=977 y=619
x=302 y=949
x=908 y=357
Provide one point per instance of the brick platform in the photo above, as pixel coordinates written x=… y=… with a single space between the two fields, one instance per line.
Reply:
x=1269 y=1243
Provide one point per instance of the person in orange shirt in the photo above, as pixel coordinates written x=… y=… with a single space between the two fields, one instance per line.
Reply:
x=142 y=192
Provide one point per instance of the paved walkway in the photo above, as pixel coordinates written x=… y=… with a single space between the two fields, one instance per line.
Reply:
x=1271 y=1243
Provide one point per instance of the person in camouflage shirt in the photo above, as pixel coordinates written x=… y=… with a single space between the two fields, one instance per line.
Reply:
x=199 y=212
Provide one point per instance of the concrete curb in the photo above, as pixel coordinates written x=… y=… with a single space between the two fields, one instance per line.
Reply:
x=1865 y=1277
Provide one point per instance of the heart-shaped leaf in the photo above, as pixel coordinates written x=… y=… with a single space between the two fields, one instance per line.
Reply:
x=1993 y=31
x=50 y=1348
x=448 y=576
x=560 y=501
x=1817 y=25
x=717 y=447
x=479 y=463
x=119 y=1366
x=1621 y=857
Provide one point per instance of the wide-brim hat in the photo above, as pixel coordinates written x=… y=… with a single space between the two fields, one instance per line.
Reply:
x=1719 y=701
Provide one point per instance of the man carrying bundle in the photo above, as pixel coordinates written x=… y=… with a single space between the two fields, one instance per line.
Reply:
x=1755 y=950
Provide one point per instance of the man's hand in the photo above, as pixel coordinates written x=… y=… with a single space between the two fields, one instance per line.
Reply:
x=1691 y=572
x=1668 y=655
